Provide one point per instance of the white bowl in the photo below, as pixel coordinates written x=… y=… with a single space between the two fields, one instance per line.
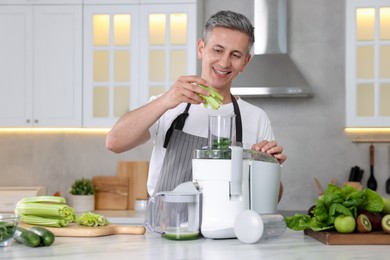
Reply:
x=140 y=205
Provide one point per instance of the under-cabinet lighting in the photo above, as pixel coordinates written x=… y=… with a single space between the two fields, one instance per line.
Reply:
x=369 y=134
x=367 y=130
x=87 y=131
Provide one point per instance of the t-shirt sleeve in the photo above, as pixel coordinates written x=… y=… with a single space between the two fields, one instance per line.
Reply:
x=265 y=132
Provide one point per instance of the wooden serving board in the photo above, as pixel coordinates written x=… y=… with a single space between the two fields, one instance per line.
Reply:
x=335 y=238
x=76 y=230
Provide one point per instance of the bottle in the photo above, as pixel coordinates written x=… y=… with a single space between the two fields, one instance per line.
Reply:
x=250 y=227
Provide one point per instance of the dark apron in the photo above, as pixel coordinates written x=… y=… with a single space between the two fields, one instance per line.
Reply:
x=177 y=164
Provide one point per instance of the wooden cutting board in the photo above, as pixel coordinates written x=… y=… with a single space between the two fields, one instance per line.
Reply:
x=335 y=238
x=76 y=230
x=137 y=174
x=111 y=192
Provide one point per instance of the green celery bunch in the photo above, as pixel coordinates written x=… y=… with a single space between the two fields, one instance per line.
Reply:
x=49 y=211
x=215 y=100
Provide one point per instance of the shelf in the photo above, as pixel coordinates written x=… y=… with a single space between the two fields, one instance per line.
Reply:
x=369 y=140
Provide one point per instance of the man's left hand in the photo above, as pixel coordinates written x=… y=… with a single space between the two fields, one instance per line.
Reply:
x=271 y=147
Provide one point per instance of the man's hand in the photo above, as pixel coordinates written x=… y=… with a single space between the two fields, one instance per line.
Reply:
x=184 y=91
x=271 y=147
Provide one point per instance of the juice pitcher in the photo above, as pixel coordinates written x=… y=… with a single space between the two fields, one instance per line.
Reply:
x=175 y=214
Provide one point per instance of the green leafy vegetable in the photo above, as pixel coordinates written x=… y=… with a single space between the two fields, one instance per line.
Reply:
x=334 y=202
x=221 y=143
x=7 y=230
x=215 y=100
x=92 y=220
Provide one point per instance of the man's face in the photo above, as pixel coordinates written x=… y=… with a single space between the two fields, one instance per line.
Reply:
x=223 y=56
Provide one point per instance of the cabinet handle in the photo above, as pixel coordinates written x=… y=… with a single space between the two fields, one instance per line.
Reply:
x=28 y=121
x=36 y=121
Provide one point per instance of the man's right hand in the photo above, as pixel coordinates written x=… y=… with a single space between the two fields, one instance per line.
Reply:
x=184 y=90
x=132 y=129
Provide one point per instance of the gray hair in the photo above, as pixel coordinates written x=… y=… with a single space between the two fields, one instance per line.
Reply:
x=230 y=20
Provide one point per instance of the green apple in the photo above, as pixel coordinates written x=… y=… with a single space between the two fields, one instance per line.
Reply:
x=345 y=224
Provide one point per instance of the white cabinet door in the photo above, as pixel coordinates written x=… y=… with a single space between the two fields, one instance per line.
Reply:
x=111 y=63
x=134 y=51
x=40 y=68
x=58 y=66
x=16 y=75
x=368 y=63
x=168 y=46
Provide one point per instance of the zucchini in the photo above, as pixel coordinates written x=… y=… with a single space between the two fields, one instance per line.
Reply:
x=27 y=237
x=47 y=237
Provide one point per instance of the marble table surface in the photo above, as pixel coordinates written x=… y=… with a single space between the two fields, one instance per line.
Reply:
x=150 y=246
x=291 y=245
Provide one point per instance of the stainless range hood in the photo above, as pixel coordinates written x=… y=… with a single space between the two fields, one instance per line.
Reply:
x=271 y=72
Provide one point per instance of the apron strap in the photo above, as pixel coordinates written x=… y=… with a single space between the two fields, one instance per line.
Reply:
x=178 y=123
x=238 y=119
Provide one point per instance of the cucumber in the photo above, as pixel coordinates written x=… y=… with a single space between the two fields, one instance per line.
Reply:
x=27 y=237
x=47 y=237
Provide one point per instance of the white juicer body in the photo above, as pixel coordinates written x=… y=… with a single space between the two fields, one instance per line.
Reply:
x=219 y=207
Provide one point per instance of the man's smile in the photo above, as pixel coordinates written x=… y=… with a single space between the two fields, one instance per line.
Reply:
x=221 y=72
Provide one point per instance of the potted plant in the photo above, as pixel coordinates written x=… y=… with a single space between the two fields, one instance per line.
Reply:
x=82 y=194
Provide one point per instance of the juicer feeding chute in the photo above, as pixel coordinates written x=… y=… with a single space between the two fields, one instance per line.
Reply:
x=236 y=179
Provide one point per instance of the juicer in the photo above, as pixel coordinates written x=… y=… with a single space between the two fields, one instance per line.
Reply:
x=232 y=179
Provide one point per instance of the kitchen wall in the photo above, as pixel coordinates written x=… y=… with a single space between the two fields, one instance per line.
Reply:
x=310 y=129
x=56 y=160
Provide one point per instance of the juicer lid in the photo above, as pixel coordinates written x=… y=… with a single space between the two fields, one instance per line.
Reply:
x=183 y=193
x=226 y=154
x=180 y=197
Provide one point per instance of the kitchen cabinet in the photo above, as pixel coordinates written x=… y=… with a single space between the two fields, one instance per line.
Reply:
x=368 y=63
x=134 y=50
x=169 y=47
x=41 y=63
x=111 y=63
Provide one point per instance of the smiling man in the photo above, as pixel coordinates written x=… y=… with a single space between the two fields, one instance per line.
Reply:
x=224 y=54
x=177 y=121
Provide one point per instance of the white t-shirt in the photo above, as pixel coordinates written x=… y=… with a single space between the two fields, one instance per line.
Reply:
x=255 y=124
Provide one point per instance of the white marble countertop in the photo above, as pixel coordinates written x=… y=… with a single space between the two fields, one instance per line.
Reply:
x=129 y=217
x=292 y=245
